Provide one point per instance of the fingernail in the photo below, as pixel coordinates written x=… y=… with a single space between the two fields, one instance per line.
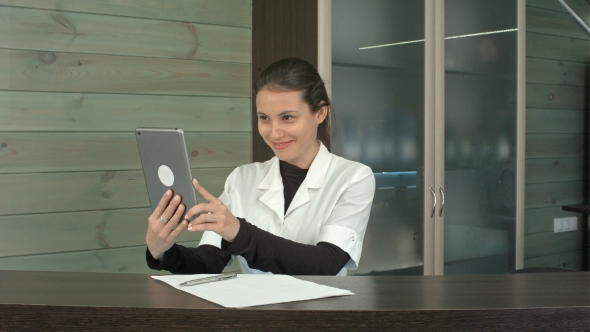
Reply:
x=195 y=180
x=190 y=228
x=168 y=192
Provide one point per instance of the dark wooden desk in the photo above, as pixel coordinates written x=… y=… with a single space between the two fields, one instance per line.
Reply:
x=96 y=301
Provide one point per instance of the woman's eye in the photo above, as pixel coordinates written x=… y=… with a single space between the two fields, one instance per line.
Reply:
x=287 y=117
x=263 y=117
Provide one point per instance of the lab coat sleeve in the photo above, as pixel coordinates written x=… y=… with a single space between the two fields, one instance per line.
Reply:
x=212 y=238
x=348 y=220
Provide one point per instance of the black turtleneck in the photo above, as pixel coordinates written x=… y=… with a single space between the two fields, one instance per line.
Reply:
x=262 y=250
x=292 y=176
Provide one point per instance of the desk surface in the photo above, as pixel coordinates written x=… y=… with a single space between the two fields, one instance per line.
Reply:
x=24 y=295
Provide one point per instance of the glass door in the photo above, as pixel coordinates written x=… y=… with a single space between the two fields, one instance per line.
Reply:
x=378 y=68
x=480 y=108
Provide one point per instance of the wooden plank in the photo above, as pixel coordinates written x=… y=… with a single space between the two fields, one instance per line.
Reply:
x=538 y=195
x=85 y=191
x=556 y=96
x=569 y=260
x=556 y=145
x=226 y=12
x=541 y=220
x=543 y=244
x=52 y=31
x=555 y=170
x=556 y=47
x=118 y=260
x=75 y=72
x=552 y=121
x=73 y=152
x=49 y=111
x=76 y=231
x=559 y=72
x=553 y=23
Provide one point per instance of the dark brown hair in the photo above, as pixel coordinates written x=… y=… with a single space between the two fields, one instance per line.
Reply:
x=292 y=74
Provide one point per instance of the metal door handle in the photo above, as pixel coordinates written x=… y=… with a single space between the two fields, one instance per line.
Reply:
x=442 y=203
x=433 y=203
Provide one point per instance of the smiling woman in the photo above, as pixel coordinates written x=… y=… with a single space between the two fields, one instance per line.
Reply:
x=303 y=212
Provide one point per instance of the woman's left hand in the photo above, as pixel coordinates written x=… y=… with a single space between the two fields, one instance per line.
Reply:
x=215 y=216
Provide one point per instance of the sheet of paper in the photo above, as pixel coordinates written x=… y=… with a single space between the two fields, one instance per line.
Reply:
x=253 y=289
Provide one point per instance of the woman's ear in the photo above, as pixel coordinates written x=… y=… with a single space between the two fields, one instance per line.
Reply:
x=321 y=114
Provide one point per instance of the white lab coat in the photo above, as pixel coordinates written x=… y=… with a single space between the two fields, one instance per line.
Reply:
x=331 y=205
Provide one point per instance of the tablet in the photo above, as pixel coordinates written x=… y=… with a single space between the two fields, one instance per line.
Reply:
x=165 y=164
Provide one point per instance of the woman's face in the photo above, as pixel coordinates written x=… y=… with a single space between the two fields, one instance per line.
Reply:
x=288 y=126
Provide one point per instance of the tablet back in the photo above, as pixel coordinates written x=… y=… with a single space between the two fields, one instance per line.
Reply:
x=165 y=164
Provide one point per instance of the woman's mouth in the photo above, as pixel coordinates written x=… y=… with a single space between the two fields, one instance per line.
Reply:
x=281 y=145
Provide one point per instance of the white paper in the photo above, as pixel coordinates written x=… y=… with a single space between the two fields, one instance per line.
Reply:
x=253 y=289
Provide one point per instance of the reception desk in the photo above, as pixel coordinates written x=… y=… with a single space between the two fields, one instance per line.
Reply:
x=111 y=302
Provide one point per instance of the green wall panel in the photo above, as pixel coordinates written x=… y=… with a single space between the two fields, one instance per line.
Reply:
x=65 y=112
x=226 y=12
x=53 y=31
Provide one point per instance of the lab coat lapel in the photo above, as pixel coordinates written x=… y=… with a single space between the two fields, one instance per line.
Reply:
x=274 y=196
x=314 y=179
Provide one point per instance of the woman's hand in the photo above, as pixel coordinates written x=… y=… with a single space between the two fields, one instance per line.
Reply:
x=161 y=235
x=215 y=216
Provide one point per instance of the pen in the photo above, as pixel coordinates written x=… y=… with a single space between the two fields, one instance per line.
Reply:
x=208 y=279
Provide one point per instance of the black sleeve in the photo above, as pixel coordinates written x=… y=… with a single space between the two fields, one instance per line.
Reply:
x=270 y=253
x=182 y=260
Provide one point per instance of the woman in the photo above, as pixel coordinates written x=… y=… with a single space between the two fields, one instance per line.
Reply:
x=303 y=212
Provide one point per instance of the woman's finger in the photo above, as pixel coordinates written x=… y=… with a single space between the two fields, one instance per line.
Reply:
x=203 y=219
x=201 y=208
x=170 y=210
x=175 y=219
x=204 y=193
x=162 y=204
x=177 y=230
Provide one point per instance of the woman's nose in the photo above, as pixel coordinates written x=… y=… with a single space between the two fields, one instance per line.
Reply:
x=276 y=130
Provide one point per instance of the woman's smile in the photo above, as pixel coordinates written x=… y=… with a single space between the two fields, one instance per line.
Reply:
x=281 y=145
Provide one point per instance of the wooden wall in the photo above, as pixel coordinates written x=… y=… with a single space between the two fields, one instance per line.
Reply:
x=76 y=79
x=558 y=51
x=280 y=29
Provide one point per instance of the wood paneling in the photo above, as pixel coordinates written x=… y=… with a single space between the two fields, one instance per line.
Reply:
x=541 y=220
x=569 y=260
x=538 y=195
x=52 y=31
x=555 y=23
x=555 y=170
x=544 y=244
x=83 y=191
x=559 y=72
x=75 y=72
x=127 y=260
x=87 y=112
x=556 y=47
x=76 y=79
x=64 y=152
x=556 y=96
x=76 y=231
x=280 y=29
x=226 y=12
x=556 y=145
x=557 y=132
x=552 y=121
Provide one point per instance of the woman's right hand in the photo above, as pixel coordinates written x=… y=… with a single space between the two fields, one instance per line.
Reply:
x=162 y=235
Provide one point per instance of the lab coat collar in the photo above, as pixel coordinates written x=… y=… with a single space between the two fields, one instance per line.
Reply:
x=315 y=176
x=273 y=182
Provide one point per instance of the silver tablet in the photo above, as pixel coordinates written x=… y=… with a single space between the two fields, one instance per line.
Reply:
x=165 y=164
